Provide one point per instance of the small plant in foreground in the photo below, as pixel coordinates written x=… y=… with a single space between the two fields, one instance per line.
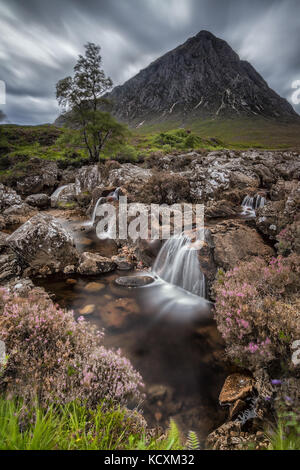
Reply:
x=286 y=434
x=76 y=427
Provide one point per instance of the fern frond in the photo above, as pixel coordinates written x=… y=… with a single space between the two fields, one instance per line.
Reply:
x=173 y=436
x=192 y=442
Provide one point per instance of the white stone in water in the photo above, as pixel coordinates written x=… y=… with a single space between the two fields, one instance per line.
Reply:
x=177 y=263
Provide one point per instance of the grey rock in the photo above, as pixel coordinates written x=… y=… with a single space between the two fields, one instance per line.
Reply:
x=41 y=201
x=134 y=281
x=44 y=244
x=92 y=263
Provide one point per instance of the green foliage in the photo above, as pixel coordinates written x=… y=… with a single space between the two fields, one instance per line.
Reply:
x=192 y=442
x=76 y=427
x=171 y=441
x=286 y=434
x=178 y=139
x=125 y=154
x=82 y=95
x=72 y=427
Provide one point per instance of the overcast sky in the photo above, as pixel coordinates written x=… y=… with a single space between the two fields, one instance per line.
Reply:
x=41 y=39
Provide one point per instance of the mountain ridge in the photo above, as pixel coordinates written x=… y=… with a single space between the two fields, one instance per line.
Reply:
x=203 y=77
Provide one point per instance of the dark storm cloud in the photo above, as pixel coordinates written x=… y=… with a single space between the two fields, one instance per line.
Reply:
x=40 y=41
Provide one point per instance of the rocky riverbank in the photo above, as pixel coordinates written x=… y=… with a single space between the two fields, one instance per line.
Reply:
x=43 y=235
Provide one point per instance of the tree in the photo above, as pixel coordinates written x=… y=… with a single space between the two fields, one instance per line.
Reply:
x=81 y=97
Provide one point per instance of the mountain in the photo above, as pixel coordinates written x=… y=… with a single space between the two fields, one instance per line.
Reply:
x=203 y=78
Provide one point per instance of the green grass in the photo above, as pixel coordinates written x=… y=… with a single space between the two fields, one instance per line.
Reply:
x=19 y=143
x=75 y=427
x=236 y=133
x=286 y=434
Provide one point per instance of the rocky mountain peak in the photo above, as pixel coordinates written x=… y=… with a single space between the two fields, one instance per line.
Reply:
x=202 y=78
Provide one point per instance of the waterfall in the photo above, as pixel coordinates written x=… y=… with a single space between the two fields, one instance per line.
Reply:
x=101 y=199
x=54 y=197
x=113 y=194
x=251 y=204
x=177 y=263
x=57 y=192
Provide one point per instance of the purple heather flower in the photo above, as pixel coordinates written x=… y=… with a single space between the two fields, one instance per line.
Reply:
x=276 y=382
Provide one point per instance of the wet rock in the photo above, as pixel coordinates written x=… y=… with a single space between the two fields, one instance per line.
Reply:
x=281 y=210
x=71 y=281
x=236 y=242
x=8 y=198
x=147 y=250
x=230 y=436
x=94 y=287
x=2 y=223
x=41 y=201
x=65 y=197
x=44 y=244
x=122 y=263
x=128 y=173
x=134 y=281
x=70 y=269
x=236 y=408
x=87 y=310
x=265 y=174
x=92 y=263
x=22 y=287
x=18 y=214
x=221 y=209
x=83 y=198
x=10 y=264
x=87 y=178
x=117 y=312
x=206 y=258
x=42 y=177
x=236 y=386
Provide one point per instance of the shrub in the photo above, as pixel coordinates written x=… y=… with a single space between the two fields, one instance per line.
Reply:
x=55 y=358
x=165 y=188
x=289 y=239
x=126 y=154
x=257 y=310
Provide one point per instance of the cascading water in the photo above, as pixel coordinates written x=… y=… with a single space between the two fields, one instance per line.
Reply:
x=177 y=263
x=100 y=200
x=54 y=197
x=251 y=204
x=114 y=195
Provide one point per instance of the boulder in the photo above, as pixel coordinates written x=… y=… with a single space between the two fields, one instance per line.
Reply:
x=18 y=214
x=10 y=266
x=64 y=196
x=221 y=209
x=8 y=198
x=282 y=210
x=92 y=263
x=234 y=242
x=134 y=281
x=87 y=178
x=44 y=244
x=128 y=173
x=41 y=177
x=122 y=263
x=236 y=387
x=41 y=201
